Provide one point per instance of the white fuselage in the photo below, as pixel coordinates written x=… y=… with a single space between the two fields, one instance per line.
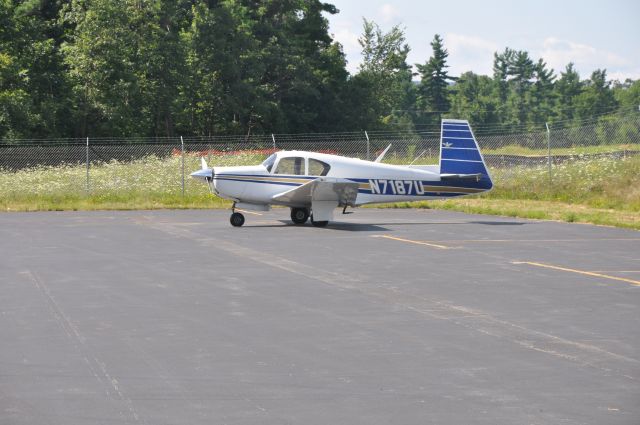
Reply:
x=378 y=182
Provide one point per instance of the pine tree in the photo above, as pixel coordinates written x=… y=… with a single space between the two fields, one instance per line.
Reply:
x=568 y=87
x=501 y=63
x=521 y=70
x=432 y=91
x=542 y=94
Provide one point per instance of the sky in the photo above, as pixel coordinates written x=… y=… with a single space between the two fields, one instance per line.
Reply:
x=591 y=34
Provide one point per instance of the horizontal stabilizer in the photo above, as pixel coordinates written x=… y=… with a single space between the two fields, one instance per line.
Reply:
x=475 y=177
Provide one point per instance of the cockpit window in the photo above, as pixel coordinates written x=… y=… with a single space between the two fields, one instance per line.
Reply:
x=318 y=168
x=292 y=165
x=268 y=163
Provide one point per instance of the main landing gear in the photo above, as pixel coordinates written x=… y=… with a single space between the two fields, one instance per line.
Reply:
x=299 y=215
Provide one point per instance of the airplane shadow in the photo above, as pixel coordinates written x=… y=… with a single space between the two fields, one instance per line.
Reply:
x=350 y=227
x=500 y=223
x=379 y=227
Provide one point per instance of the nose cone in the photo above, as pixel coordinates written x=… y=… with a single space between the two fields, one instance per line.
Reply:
x=203 y=175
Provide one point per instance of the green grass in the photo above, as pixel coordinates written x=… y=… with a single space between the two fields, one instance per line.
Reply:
x=598 y=183
x=129 y=200
x=572 y=150
x=531 y=209
x=597 y=190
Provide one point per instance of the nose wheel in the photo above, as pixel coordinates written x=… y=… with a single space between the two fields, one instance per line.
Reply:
x=236 y=219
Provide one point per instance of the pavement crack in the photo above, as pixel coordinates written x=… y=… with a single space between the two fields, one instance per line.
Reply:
x=97 y=367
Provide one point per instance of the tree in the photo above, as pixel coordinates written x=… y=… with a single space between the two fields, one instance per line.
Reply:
x=266 y=66
x=524 y=88
x=542 y=94
x=521 y=70
x=215 y=94
x=206 y=67
x=124 y=61
x=472 y=98
x=432 y=91
x=501 y=63
x=597 y=97
x=568 y=87
x=296 y=64
x=33 y=90
x=628 y=94
x=382 y=90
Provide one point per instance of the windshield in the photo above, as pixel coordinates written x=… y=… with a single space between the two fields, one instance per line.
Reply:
x=268 y=163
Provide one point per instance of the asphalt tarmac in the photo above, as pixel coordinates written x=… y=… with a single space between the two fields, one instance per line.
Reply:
x=384 y=317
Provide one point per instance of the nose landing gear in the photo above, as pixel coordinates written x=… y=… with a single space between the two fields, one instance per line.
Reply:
x=236 y=219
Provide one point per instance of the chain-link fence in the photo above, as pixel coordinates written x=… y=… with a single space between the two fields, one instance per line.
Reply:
x=99 y=166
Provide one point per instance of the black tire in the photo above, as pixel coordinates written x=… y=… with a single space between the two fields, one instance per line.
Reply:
x=319 y=223
x=236 y=219
x=299 y=215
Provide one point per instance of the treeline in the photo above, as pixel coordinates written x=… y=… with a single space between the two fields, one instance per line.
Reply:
x=75 y=68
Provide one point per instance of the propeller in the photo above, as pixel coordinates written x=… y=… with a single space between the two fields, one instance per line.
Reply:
x=204 y=166
x=204 y=173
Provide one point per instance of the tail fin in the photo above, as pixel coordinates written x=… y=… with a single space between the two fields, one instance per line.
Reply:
x=460 y=157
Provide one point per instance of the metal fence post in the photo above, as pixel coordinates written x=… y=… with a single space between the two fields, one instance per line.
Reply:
x=87 y=154
x=368 y=145
x=182 y=160
x=274 y=141
x=548 y=150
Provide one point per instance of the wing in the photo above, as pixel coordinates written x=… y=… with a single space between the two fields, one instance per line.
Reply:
x=328 y=189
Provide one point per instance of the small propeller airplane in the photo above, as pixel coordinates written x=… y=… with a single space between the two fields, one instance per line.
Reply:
x=313 y=184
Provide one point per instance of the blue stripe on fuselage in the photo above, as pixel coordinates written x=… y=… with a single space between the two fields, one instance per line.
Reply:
x=395 y=187
x=245 y=180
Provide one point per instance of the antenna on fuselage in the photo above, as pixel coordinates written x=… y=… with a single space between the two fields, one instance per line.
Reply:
x=384 y=152
x=418 y=157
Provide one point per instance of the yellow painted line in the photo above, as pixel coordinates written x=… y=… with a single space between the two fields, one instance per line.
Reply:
x=543 y=240
x=615 y=271
x=248 y=212
x=411 y=241
x=564 y=269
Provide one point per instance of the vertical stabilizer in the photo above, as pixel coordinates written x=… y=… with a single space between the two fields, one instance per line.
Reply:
x=460 y=155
